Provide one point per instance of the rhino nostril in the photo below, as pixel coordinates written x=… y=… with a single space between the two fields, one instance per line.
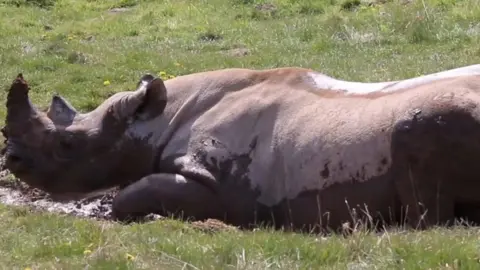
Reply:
x=14 y=158
x=4 y=132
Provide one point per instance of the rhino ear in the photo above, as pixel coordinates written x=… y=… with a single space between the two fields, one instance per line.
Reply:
x=61 y=111
x=147 y=102
x=153 y=94
x=145 y=79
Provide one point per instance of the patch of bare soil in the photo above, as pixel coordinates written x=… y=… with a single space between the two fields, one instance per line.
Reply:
x=266 y=7
x=212 y=226
x=14 y=192
x=118 y=10
x=237 y=52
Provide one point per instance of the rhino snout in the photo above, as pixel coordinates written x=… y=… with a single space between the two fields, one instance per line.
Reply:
x=15 y=159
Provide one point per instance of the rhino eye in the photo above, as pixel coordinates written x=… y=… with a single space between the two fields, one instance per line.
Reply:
x=64 y=150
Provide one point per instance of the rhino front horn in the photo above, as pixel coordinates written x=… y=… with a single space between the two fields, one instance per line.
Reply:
x=18 y=103
x=18 y=90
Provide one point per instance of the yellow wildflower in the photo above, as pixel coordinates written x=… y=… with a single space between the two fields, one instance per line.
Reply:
x=162 y=73
x=106 y=83
x=129 y=257
x=87 y=251
x=28 y=268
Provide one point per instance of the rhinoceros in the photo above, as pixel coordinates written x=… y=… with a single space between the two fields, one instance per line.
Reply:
x=271 y=146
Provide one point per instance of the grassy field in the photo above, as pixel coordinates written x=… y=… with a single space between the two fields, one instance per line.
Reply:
x=86 y=50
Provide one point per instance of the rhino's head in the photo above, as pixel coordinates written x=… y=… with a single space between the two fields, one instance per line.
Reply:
x=68 y=153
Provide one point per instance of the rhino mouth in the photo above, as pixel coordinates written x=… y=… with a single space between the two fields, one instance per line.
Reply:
x=15 y=161
x=3 y=151
x=12 y=160
x=15 y=165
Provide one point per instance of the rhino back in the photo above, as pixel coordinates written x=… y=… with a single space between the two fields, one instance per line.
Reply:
x=282 y=141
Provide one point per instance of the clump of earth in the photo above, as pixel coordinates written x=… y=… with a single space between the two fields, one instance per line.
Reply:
x=15 y=192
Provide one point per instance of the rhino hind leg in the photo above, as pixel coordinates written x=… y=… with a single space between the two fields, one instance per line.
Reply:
x=435 y=159
x=425 y=202
x=424 y=188
x=342 y=207
x=166 y=195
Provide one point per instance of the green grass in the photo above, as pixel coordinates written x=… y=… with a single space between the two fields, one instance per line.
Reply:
x=72 y=47
x=46 y=241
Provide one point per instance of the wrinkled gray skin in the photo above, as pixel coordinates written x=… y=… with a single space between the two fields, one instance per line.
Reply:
x=251 y=147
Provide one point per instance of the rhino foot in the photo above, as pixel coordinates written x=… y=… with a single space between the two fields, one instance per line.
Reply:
x=165 y=195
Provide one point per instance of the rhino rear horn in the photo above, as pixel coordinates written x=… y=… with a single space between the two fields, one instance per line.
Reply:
x=61 y=111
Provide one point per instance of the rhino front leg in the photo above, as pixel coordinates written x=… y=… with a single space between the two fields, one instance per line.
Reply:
x=166 y=195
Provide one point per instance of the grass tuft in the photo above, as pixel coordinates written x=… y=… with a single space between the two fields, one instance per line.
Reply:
x=37 y=3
